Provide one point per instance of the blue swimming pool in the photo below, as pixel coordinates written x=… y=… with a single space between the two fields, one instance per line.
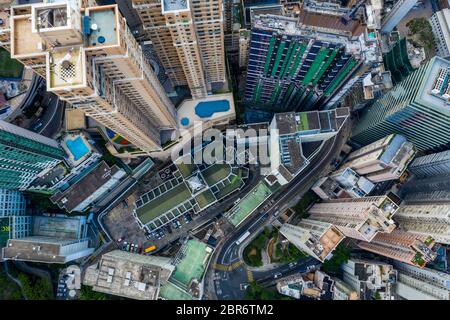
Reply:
x=207 y=108
x=77 y=148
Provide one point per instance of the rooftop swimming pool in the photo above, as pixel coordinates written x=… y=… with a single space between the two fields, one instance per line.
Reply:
x=206 y=109
x=77 y=148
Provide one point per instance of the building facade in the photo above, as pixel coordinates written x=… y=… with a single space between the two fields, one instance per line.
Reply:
x=53 y=239
x=14 y=223
x=425 y=219
x=318 y=239
x=417 y=108
x=292 y=67
x=24 y=155
x=396 y=14
x=90 y=59
x=403 y=246
x=371 y=279
x=382 y=160
x=440 y=25
x=188 y=37
x=421 y=283
x=361 y=218
x=431 y=165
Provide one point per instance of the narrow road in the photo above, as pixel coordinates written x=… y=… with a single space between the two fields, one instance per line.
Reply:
x=17 y=281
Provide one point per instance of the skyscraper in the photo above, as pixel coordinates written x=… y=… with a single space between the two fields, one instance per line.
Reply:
x=408 y=247
x=385 y=159
x=421 y=283
x=425 y=219
x=91 y=60
x=188 y=38
x=361 y=218
x=24 y=155
x=418 y=108
x=397 y=13
x=14 y=223
x=431 y=165
x=318 y=239
x=440 y=25
x=292 y=67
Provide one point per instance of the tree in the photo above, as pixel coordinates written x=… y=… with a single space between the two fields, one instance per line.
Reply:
x=256 y=292
x=88 y=294
x=40 y=289
x=340 y=256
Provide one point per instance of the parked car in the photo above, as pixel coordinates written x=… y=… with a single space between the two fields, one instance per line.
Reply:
x=277 y=275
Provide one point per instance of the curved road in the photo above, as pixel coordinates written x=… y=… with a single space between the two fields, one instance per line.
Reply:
x=227 y=284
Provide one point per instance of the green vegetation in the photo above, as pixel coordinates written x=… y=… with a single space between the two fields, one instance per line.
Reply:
x=42 y=202
x=421 y=33
x=252 y=253
x=289 y=254
x=301 y=206
x=418 y=259
x=377 y=296
x=8 y=289
x=163 y=203
x=340 y=256
x=205 y=198
x=256 y=292
x=9 y=68
x=216 y=173
x=36 y=289
x=88 y=294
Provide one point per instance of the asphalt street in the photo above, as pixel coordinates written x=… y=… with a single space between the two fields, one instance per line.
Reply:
x=228 y=284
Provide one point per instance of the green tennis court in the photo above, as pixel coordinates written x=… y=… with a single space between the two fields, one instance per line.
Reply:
x=194 y=262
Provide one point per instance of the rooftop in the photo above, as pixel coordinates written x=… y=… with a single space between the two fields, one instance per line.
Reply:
x=129 y=275
x=174 y=5
x=37 y=248
x=86 y=187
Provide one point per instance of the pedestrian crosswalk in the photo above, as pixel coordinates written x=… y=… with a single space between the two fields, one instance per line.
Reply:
x=227 y=267
x=250 y=275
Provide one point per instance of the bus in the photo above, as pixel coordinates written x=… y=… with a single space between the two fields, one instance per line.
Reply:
x=150 y=249
x=243 y=237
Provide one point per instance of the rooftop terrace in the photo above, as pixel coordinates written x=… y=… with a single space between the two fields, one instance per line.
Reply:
x=248 y=204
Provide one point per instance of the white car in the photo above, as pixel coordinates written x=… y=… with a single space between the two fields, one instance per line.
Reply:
x=277 y=275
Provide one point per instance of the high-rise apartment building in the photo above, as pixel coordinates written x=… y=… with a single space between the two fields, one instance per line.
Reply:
x=417 y=108
x=57 y=239
x=290 y=131
x=188 y=38
x=440 y=21
x=396 y=14
x=371 y=279
x=385 y=159
x=318 y=239
x=408 y=247
x=14 y=223
x=361 y=218
x=421 y=283
x=91 y=60
x=432 y=190
x=431 y=165
x=24 y=155
x=292 y=66
x=425 y=219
